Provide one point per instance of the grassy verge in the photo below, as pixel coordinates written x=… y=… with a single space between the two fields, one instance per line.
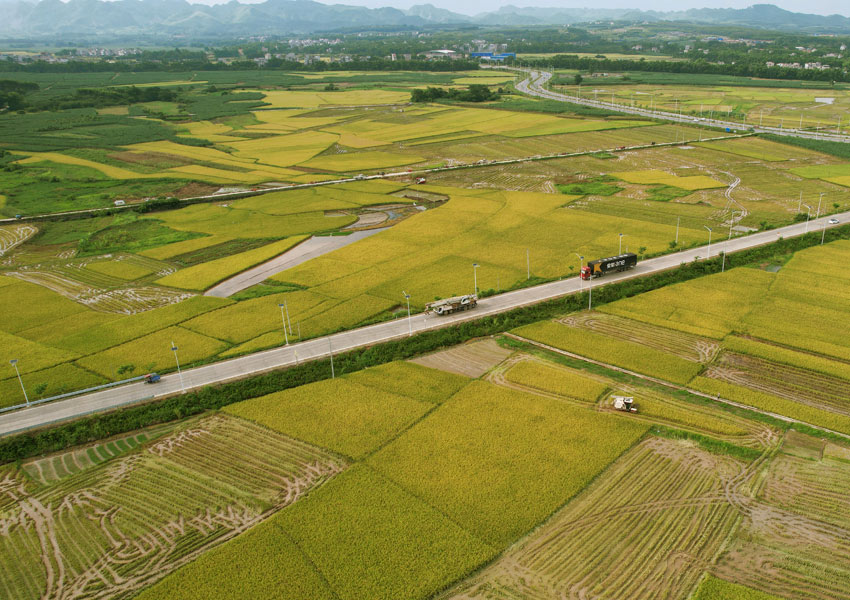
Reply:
x=708 y=444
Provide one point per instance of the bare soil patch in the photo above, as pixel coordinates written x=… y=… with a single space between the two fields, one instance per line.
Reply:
x=473 y=359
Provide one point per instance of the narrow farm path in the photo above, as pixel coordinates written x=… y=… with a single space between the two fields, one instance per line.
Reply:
x=315 y=246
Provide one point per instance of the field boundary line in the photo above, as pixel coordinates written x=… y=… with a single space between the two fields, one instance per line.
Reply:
x=676 y=386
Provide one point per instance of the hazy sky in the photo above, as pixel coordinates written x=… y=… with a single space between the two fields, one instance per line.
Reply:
x=471 y=7
x=821 y=7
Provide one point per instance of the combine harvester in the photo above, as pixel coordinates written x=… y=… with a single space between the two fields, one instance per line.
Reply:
x=624 y=403
x=450 y=305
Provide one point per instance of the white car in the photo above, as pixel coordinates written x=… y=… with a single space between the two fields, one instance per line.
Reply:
x=833 y=221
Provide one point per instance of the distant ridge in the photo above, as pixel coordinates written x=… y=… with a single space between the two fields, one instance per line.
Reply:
x=179 y=18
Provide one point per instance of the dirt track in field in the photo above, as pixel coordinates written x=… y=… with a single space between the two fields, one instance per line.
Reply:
x=685 y=345
x=110 y=530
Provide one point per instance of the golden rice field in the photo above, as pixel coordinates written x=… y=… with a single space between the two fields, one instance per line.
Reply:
x=430 y=255
x=517 y=480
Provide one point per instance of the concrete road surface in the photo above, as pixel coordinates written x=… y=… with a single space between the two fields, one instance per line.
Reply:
x=315 y=246
x=36 y=416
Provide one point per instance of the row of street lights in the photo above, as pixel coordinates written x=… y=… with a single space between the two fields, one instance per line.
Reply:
x=287 y=322
x=174 y=348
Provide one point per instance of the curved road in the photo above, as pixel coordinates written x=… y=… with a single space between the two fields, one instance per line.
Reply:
x=276 y=358
x=534 y=85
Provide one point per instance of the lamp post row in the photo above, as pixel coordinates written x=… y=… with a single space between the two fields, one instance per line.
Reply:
x=287 y=322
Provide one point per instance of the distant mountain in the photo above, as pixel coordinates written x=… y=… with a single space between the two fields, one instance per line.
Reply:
x=432 y=14
x=178 y=18
x=764 y=16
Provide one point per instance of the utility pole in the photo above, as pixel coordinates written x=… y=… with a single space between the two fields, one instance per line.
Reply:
x=331 y=352
x=580 y=267
x=179 y=372
x=14 y=363
x=679 y=218
x=808 y=215
x=283 y=318
x=709 y=241
x=475 y=277
x=409 y=322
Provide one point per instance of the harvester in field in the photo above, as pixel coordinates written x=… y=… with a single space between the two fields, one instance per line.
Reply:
x=624 y=403
x=450 y=305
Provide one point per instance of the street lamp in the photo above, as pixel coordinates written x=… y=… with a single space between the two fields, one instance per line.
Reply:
x=475 y=277
x=409 y=322
x=709 y=241
x=823 y=233
x=819 y=201
x=808 y=214
x=621 y=244
x=283 y=318
x=580 y=267
x=14 y=363
x=179 y=372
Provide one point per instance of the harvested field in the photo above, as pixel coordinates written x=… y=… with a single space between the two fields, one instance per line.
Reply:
x=15 y=235
x=473 y=359
x=126 y=301
x=100 y=282
x=51 y=469
x=646 y=529
x=112 y=529
x=795 y=541
x=812 y=487
x=793 y=383
x=684 y=345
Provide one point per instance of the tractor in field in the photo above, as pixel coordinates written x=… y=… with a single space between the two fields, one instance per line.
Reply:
x=454 y=304
x=624 y=403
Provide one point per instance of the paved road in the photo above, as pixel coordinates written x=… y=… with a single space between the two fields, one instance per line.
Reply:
x=319 y=348
x=534 y=85
x=315 y=246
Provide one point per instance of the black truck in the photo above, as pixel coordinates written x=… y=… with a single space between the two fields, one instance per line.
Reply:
x=602 y=266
